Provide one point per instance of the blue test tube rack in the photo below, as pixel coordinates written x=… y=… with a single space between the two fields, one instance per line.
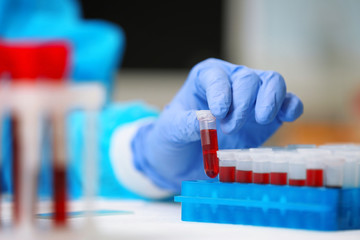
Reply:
x=325 y=209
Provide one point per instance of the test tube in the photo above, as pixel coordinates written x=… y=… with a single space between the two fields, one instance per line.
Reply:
x=297 y=170
x=1 y=140
x=209 y=142
x=358 y=173
x=227 y=164
x=261 y=167
x=350 y=167
x=279 y=168
x=59 y=170
x=243 y=167
x=314 y=173
x=2 y=100
x=334 y=171
x=26 y=110
x=15 y=153
x=314 y=166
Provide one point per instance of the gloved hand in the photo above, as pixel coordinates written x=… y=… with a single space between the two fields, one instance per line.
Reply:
x=250 y=105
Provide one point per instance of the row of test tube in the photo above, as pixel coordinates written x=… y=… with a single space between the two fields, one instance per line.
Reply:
x=35 y=93
x=332 y=166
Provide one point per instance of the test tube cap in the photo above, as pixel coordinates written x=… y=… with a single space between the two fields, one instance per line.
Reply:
x=205 y=115
x=226 y=154
x=334 y=171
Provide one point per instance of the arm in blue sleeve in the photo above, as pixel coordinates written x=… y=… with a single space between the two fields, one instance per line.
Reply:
x=117 y=124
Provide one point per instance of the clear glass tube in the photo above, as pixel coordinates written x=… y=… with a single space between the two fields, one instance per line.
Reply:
x=261 y=167
x=279 y=168
x=334 y=168
x=315 y=166
x=209 y=142
x=297 y=170
x=243 y=167
x=227 y=165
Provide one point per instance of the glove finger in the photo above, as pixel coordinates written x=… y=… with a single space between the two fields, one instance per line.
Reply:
x=291 y=109
x=245 y=86
x=270 y=97
x=214 y=82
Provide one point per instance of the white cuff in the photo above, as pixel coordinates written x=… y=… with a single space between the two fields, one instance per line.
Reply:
x=121 y=158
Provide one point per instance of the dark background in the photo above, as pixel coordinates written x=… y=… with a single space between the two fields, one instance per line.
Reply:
x=163 y=34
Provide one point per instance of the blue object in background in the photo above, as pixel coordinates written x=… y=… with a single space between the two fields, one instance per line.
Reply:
x=268 y=205
x=97 y=46
x=109 y=119
x=6 y=156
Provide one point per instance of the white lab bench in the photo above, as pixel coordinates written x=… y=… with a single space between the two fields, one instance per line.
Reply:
x=162 y=220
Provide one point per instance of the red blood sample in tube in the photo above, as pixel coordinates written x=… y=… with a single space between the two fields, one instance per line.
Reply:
x=0 y=196
x=53 y=58
x=297 y=182
x=15 y=168
x=59 y=201
x=210 y=146
x=261 y=178
x=227 y=174
x=243 y=176
x=278 y=178
x=314 y=177
x=21 y=63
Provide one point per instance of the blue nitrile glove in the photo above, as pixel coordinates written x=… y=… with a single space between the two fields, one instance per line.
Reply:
x=250 y=105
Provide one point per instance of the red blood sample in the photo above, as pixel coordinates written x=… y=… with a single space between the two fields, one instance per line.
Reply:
x=60 y=196
x=261 y=178
x=22 y=63
x=29 y=62
x=2 y=60
x=243 y=176
x=0 y=196
x=15 y=167
x=297 y=182
x=278 y=178
x=314 y=177
x=210 y=146
x=53 y=59
x=227 y=174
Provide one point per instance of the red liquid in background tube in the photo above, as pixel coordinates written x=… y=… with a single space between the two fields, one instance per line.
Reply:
x=297 y=182
x=210 y=146
x=227 y=174
x=15 y=167
x=314 y=177
x=59 y=195
x=278 y=178
x=0 y=192
x=243 y=176
x=261 y=178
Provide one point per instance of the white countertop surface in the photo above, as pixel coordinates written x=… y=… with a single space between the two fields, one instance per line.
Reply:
x=159 y=220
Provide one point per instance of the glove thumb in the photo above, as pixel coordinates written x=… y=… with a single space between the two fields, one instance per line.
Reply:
x=180 y=127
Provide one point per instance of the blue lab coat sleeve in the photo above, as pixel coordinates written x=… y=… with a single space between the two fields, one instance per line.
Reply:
x=118 y=177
